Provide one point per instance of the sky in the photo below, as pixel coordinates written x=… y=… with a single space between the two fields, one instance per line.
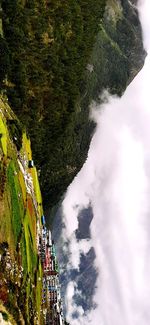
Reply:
x=115 y=182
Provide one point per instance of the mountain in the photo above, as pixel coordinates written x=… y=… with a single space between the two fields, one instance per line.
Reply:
x=55 y=58
x=116 y=58
x=58 y=57
x=29 y=272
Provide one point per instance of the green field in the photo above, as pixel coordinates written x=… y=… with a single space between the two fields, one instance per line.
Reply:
x=16 y=200
x=3 y=136
x=20 y=210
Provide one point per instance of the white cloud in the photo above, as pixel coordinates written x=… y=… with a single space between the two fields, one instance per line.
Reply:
x=115 y=180
x=72 y=307
x=144 y=10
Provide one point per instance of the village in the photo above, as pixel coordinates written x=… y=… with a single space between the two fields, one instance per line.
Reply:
x=51 y=307
x=51 y=295
x=29 y=273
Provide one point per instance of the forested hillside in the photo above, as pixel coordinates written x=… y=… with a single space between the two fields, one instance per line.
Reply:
x=46 y=47
x=49 y=43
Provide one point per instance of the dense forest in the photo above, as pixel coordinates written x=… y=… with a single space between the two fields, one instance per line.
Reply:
x=47 y=47
x=55 y=57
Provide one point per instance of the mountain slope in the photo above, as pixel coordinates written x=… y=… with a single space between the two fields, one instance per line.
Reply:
x=60 y=56
x=20 y=290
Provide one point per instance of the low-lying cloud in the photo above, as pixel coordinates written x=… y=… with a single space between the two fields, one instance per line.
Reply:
x=115 y=182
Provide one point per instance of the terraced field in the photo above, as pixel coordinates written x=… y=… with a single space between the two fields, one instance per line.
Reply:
x=20 y=210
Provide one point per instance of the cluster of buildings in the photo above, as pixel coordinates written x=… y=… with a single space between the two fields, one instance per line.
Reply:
x=51 y=296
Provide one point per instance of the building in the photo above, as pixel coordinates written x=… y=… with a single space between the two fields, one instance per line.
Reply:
x=51 y=295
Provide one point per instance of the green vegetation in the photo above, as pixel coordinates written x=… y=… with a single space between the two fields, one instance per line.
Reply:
x=50 y=43
x=24 y=254
x=5 y=316
x=37 y=189
x=47 y=45
x=3 y=136
x=30 y=245
x=16 y=201
x=20 y=267
x=4 y=58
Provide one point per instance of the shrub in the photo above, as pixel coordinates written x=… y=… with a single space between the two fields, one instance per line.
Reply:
x=5 y=316
x=4 y=59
